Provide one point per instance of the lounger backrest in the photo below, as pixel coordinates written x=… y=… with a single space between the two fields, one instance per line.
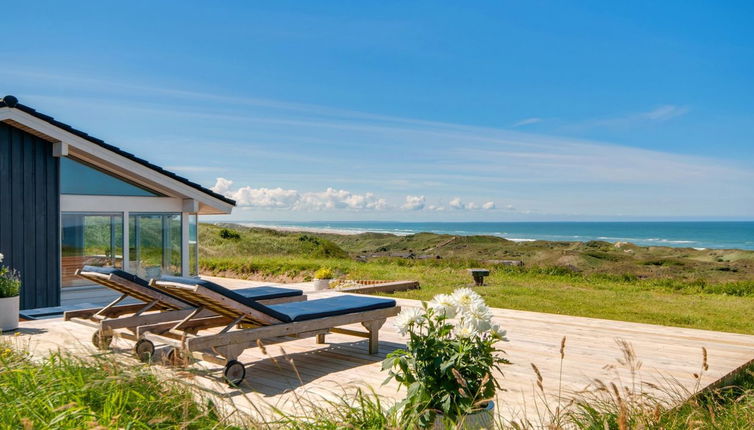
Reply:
x=131 y=285
x=218 y=299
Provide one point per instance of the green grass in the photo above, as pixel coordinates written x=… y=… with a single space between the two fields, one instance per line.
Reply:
x=100 y=392
x=710 y=289
x=552 y=290
x=61 y=392
x=707 y=266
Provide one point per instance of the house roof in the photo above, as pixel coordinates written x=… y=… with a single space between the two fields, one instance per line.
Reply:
x=12 y=102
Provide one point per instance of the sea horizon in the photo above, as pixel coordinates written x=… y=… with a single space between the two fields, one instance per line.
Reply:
x=678 y=234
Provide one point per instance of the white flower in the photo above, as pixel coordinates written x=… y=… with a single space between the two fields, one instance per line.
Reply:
x=478 y=315
x=1 y=258
x=464 y=331
x=443 y=305
x=466 y=298
x=407 y=318
x=498 y=332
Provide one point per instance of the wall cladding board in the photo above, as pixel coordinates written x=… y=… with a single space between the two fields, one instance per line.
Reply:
x=30 y=215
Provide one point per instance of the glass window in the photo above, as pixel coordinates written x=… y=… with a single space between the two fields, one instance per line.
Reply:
x=79 y=178
x=154 y=244
x=89 y=239
x=193 y=245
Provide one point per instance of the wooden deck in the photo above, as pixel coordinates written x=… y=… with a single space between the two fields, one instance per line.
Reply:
x=325 y=371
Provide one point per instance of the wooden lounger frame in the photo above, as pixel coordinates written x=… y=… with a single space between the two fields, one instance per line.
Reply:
x=227 y=345
x=158 y=307
x=107 y=319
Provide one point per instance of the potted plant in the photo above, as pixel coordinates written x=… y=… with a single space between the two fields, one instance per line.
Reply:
x=449 y=360
x=10 y=287
x=322 y=278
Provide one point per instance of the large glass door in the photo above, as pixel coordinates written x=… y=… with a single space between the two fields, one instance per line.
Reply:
x=89 y=239
x=154 y=244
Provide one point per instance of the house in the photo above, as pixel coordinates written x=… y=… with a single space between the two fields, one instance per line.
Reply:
x=68 y=199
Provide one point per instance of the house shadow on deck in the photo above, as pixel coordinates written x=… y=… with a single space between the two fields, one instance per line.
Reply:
x=279 y=371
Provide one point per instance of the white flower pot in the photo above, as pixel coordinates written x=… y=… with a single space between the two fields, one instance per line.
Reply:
x=9 y=313
x=321 y=284
x=483 y=419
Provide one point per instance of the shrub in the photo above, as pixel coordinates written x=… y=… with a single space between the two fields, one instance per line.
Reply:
x=229 y=234
x=324 y=273
x=10 y=282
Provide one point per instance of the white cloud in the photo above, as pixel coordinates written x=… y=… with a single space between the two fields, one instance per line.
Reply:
x=659 y=114
x=458 y=204
x=257 y=197
x=222 y=186
x=279 y=198
x=330 y=199
x=526 y=121
x=414 y=203
x=665 y=112
x=339 y=199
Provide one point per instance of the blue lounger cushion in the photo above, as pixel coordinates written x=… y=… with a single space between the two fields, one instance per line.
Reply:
x=295 y=311
x=330 y=306
x=243 y=296
x=251 y=293
x=129 y=276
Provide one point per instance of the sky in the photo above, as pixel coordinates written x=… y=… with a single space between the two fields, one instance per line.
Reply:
x=406 y=110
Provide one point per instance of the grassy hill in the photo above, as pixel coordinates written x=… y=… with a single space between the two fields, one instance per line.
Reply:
x=708 y=289
x=595 y=257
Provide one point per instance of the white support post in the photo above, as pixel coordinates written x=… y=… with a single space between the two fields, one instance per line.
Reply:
x=185 y=269
x=126 y=243
x=59 y=149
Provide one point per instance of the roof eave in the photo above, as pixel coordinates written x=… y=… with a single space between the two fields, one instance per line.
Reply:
x=40 y=125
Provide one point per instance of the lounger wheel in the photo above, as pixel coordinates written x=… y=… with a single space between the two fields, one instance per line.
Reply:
x=101 y=341
x=144 y=349
x=176 y=357
x=234 y=372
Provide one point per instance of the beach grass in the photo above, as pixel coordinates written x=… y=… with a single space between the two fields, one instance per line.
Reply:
x=102 y=392
x=667 y=302
x=64 y=392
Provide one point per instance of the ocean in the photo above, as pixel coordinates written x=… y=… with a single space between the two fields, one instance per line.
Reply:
x=685 y=234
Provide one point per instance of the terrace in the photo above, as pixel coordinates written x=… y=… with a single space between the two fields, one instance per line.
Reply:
x=292 y=373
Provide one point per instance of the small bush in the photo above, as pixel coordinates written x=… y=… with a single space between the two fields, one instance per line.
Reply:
x=10 y=282
x=602 y=255
x=324 y=273
x=229 y=234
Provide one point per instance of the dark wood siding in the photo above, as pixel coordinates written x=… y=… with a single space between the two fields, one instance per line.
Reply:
x=30 y=215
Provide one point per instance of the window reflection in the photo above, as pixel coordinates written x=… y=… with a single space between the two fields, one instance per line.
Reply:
x=154 y=244
x=89 y=239
x=80 y=178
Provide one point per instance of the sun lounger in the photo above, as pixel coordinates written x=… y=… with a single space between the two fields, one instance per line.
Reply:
x=254 y=321
x=157 y=306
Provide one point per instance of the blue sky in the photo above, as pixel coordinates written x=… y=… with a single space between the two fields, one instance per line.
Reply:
x=411 y=110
